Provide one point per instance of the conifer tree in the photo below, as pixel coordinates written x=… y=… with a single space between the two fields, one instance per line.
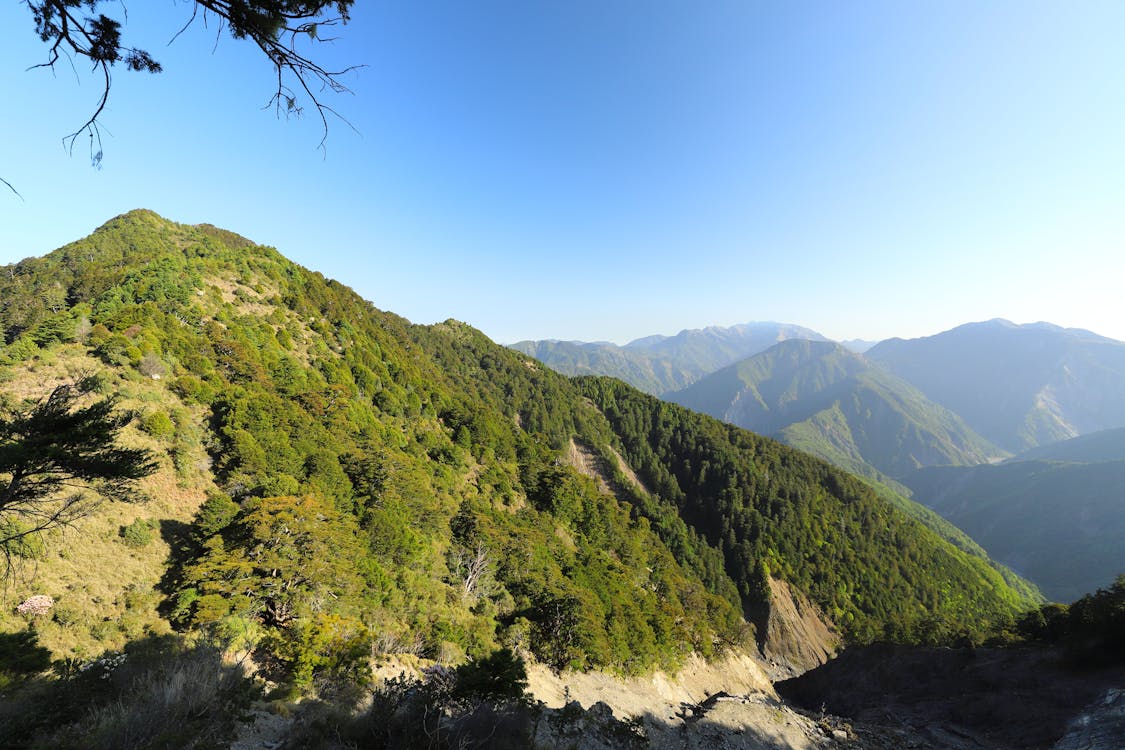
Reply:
x=56 y=457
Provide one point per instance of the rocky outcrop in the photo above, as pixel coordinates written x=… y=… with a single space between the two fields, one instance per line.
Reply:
x=658 y=693
x=726 y=703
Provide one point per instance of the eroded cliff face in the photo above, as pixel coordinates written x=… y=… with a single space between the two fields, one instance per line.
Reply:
x=798 y=637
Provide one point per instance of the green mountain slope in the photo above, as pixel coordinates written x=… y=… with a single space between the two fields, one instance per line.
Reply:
x=826 y=400
x=660 y=364
x=1017 y=385
x=358 y=483
x=1058 y=524
x=355 y=493
x=772 y=509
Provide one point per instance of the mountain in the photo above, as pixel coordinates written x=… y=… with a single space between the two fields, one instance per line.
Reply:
x=713 y=347
x=648 y=372
x=824 y=399
x=1107 y=445
x=1019 y=386
x=660 y=364
x=1061 y=525
x=336 y=483
x=859 y=346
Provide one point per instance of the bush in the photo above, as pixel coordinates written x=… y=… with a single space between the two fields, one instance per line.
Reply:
x=100 y=383
x=151 y=366
x=139 y=533
x=158 y=424
x=499 y=678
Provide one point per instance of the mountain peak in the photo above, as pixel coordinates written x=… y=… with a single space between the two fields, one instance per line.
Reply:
x=135 y=216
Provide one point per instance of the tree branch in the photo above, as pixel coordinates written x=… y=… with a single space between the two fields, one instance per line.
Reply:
x=9 y=185
x=275 y=26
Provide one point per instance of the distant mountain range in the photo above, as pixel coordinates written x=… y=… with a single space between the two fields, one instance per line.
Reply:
x=859 y=346
x=822 y=398
x=1020 y=386
x=1107 y=445
x=1015 y=386
x=660 y=364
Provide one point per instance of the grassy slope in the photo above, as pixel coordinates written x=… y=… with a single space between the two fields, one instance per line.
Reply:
x=105 y=589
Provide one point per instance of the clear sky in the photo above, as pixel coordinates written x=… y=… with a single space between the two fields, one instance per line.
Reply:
x=603 y=171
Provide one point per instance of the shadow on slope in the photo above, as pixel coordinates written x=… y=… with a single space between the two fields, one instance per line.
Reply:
x=999 y=699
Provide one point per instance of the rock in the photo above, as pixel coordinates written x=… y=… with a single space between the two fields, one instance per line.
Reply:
x=1101 y=726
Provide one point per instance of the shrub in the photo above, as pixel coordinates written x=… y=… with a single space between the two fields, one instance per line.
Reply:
x=158 y=424
x=66 y=614
x=138 y=534
x=151 y=366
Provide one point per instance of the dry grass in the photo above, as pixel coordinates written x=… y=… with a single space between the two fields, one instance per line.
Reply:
x=103 y=588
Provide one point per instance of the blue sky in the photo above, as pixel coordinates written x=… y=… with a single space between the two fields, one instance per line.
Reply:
x=590 y=170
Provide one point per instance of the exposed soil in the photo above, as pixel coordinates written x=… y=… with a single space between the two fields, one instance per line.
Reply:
x=798 y=636
x=659 y=694
x=582 y=459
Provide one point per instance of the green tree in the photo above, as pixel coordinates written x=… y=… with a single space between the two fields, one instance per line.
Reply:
x=53 y=455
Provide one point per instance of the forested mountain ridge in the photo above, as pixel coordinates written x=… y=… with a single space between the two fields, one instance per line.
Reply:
x=355 y=482
x=1017 y=385
x=721 y=502
x=824 y=399
x=317 y=406
x=661 y=364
